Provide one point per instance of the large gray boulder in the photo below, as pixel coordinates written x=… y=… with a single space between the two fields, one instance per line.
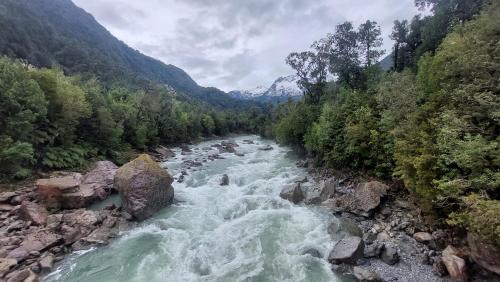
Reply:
x=363 y=201
x=347 y=250
x=144 y=187
x=321 y=192
x=293 y=193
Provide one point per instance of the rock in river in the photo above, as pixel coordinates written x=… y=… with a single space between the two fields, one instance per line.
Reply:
x=224 y=181
x=347 y=250
x=293 y=193
x=144 y=187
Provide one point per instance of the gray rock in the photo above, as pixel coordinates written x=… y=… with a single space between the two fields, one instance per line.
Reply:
x=365 y=275
x=33 y=212
x=46 y=263
x=293 y=193
x=390 y=255
x=422 y=237
x=224 y=181
x=347 y=250
x=322 y=192
x=374 y=250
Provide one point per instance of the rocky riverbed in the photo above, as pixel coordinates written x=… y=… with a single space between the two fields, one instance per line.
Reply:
x=384 y=236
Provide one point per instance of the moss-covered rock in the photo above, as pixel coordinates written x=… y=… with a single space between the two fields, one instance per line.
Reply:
x=144 y=187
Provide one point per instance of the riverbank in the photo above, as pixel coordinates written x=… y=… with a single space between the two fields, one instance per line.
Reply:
x=401 y=242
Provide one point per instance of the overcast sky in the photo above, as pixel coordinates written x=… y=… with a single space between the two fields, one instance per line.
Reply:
x=236 y=44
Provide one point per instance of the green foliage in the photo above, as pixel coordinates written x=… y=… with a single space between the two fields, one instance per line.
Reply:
x=480 y=216
x=51 y=120
x=435 y=123
x=62 y=158
x=293 y=121
x=15 y=158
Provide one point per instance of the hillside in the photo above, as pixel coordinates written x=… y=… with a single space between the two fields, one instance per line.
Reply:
x=48 y=32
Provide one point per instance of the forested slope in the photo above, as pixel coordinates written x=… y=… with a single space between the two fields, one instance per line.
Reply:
x=48 y=32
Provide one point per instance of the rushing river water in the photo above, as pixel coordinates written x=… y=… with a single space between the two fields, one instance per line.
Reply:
x=240 y=232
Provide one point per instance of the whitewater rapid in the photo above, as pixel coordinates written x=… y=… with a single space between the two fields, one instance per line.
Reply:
x=240 y=232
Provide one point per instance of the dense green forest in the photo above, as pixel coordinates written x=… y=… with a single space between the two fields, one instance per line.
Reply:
x=433 y=121
x=49 y=120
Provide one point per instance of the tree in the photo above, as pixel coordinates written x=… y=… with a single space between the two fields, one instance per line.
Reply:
x=344 y=60
x=370 y=39
x=311 y=68
x=399 y=34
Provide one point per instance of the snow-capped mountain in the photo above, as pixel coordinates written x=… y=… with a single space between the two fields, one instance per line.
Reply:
x=280 y=90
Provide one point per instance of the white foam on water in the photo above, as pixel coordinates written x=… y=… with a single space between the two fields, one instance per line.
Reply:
x=240 y=232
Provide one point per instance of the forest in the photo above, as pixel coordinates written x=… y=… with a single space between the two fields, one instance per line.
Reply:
x=49 y=120
x=432 y=121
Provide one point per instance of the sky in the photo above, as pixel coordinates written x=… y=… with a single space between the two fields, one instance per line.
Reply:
x=236 y=44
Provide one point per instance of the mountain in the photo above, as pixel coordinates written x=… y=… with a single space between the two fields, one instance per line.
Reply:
x=282 y=88
x=387 y=63
x=48 y=32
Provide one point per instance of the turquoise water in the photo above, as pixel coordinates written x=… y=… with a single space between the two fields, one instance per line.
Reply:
x=240 y=232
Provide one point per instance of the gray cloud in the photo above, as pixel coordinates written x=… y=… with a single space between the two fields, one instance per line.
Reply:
x=235 y=44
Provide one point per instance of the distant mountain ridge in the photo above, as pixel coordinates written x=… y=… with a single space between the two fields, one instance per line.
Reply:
x=48 y=32
x=281 y=89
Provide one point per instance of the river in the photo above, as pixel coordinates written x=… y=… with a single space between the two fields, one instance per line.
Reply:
x=240 y=232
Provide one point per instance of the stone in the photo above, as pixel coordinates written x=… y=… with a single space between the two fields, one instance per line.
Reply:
x=33 y=212
x=322 y=192
x=422 y=237
x=71 y=234
x=456 y=267
x=347 y=250
x=54 y=221
x=365 y=275
x=6 y=207
x=224 y=181
x=266 y=148
x=100 y=178
x=144 y=187
x=293 y=193
x=484 y=254
x=373 y=250
x=6 y=264
x=312 y=252
x=41 y=240
x=383 y=236
x=46 y=263
x=19 y=275
x=19 y=254
x=368 y=195
x=50 y=190
x=81 y=217
x=16 y=226
x=390 y=255
x=439 y=268
x=164 y=153
x=6 y=197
